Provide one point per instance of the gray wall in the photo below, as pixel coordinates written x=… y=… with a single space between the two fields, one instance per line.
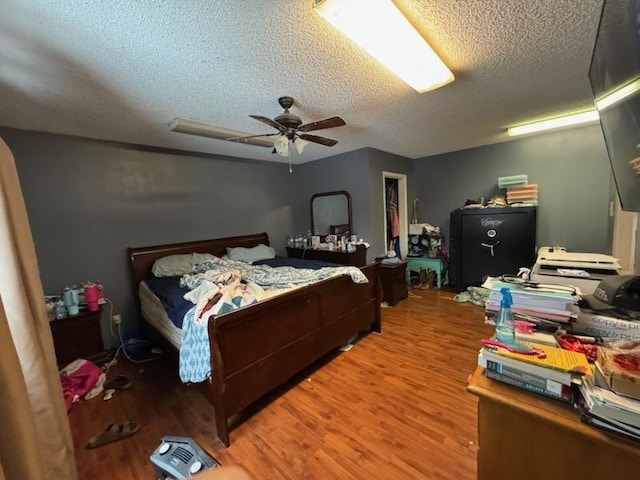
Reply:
x=571 y=168
x=88 y=201
x=380 y=162
x=341 y=172
x=360 y=173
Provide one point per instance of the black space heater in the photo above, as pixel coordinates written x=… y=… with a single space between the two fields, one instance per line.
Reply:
x=178 y=458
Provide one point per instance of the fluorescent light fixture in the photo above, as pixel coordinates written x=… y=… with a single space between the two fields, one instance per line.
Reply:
x=619 y=94
x=193 y=127
x=610 y=99
x=402 y=49
x=554 y=123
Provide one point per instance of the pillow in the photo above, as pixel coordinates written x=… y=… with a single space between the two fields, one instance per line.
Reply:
x=178 y=265
x=250 y=255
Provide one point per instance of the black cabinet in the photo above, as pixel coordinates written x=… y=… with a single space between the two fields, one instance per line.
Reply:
x=490 y=241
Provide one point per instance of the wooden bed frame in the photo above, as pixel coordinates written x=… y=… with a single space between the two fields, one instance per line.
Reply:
x=257 y=348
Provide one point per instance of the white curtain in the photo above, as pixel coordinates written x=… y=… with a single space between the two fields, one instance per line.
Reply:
x=35 y=439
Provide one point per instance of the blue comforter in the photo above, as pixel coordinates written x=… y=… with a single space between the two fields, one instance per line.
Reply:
x=171 y=294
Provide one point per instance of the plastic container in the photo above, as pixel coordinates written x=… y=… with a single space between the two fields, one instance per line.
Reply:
x=505 y=326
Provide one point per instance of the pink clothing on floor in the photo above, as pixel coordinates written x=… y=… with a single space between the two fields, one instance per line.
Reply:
x=77 y=379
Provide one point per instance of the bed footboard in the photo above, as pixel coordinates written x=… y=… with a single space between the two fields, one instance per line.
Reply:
x=255 y=349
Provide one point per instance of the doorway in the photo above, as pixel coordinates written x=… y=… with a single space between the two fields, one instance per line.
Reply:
x=394 y=197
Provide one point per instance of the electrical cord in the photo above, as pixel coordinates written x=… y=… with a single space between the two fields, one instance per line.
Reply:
x=123 y=346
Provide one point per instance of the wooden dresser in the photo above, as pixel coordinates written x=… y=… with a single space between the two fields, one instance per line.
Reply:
x=357 y=258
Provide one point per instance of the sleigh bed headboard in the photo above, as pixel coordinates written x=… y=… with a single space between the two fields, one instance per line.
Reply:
x=142 y=258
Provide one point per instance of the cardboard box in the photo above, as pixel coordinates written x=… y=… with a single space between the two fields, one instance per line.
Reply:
x=625 y=382
x=416 y=228
x=595 y=325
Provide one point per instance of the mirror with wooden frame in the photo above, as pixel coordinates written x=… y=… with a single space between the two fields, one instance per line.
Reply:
x=331 y=213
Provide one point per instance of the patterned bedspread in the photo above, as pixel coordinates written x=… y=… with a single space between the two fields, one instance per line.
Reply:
x=220 y=286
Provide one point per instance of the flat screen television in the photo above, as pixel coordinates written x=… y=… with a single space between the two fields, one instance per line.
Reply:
x=614 y=75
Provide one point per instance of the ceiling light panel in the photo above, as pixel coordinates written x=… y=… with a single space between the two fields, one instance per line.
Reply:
x=379 y=28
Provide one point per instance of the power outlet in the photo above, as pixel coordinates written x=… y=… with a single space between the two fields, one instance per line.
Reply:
x=117 y=319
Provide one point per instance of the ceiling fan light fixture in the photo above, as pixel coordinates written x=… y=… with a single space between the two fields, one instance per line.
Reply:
x=405 y=52
x=281 y=144
x=300 y=144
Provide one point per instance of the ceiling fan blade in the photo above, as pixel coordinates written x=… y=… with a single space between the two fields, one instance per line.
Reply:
x=320 y=124
x=329 y=142
x=246 y=137
x=272 y=123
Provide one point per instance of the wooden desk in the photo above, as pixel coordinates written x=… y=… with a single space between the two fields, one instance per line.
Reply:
x=523 y=436
x=357 y=258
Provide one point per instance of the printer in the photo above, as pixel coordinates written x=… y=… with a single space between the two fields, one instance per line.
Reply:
x=555 y=265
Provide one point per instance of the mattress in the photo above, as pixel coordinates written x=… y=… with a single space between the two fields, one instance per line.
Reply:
x=153 y=312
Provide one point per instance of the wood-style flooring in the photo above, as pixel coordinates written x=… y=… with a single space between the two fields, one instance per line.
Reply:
x=392 y=407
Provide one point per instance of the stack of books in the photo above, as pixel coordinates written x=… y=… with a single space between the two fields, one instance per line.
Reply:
x=554 y=376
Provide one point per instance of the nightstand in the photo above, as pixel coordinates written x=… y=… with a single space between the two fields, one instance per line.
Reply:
x=436 y=264
x=393 y=278
x=78 y=336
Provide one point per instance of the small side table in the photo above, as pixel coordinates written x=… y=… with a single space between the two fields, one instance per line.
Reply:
x=393 y=278
x=78 y=336
x=435 y=264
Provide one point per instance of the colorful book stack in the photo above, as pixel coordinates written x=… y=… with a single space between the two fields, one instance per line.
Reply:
x=553 y=376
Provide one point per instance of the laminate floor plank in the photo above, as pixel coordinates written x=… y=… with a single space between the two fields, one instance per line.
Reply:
x=394 y=406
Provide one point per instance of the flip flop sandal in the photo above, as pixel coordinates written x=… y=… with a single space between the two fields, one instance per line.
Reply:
x=117 y=383
x=115 y=431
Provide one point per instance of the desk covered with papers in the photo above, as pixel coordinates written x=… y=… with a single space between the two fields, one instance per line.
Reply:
x=526 y=436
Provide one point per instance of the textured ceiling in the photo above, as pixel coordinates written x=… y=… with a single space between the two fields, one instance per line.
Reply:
x=121 y=70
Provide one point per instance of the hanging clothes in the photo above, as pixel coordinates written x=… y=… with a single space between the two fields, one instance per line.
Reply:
x=393 y=218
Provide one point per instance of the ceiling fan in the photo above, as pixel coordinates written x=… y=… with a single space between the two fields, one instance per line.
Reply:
x=291 y=129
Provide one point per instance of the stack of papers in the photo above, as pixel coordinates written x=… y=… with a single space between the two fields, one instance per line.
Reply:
x=610 y=411
x=544 y=303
